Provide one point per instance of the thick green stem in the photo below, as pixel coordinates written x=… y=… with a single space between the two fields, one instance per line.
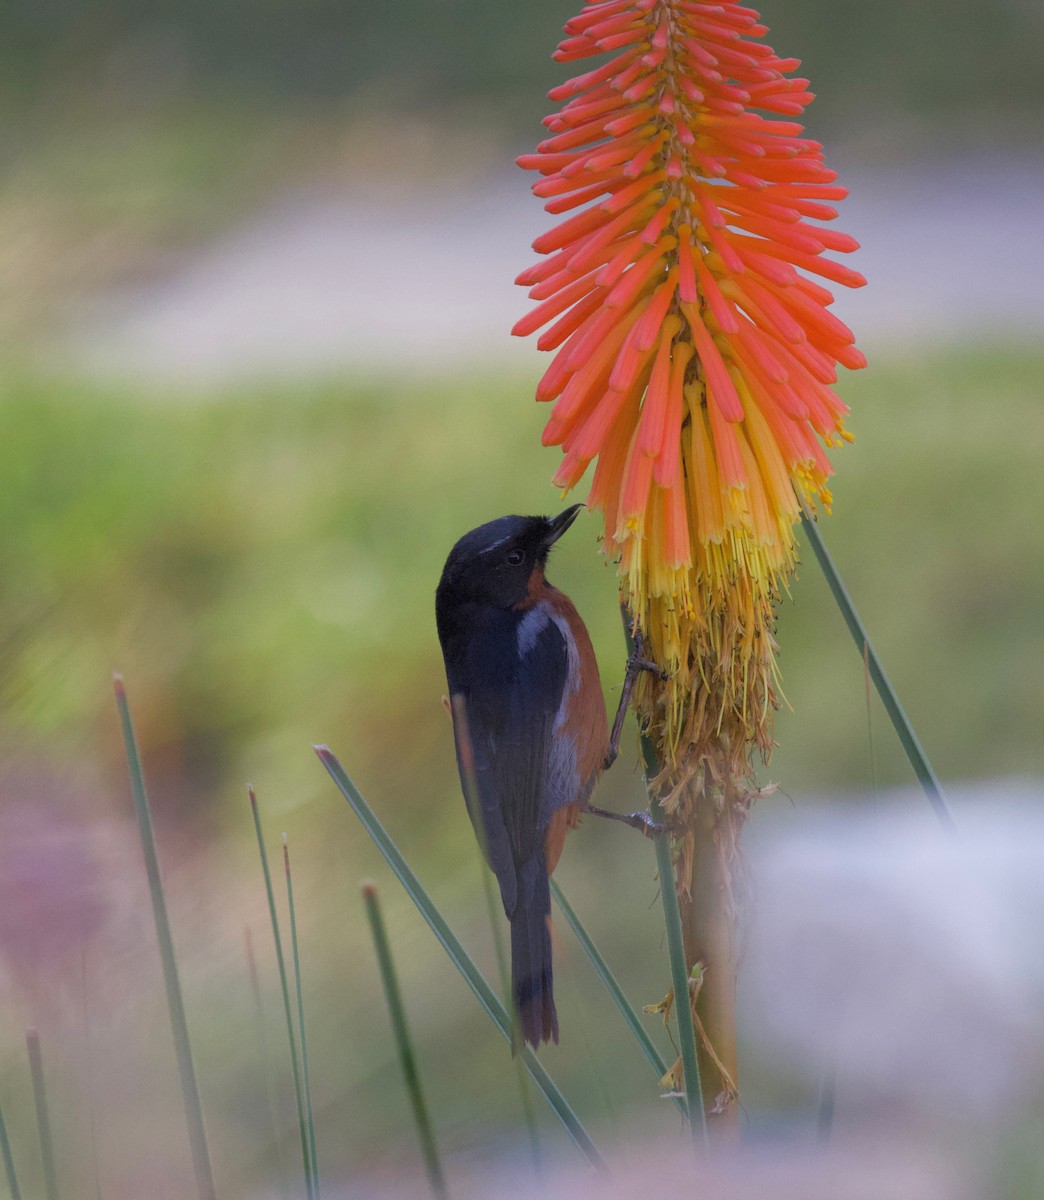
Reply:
x=708 y=928
x=703 y=919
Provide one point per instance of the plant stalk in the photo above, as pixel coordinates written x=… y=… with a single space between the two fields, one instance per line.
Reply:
x=708 y=931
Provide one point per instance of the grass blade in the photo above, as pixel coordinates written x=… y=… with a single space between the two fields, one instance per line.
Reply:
x=306 y=1085
x=43 y=1119
x=88 y=1088
x=264 y=1053
x=178 y=1022
x=630 y=1016
x=407 y=1057
x=458 y=955
x=291 y=1038
x=466 y=758
x=9 y=1167
x=900 y=721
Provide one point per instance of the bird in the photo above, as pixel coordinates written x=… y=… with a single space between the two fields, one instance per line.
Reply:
x=530 y=728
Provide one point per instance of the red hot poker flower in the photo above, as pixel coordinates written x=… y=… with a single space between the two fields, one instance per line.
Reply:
x=695 y=357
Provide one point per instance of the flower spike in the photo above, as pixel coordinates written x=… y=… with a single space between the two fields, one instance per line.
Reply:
x=694 y=357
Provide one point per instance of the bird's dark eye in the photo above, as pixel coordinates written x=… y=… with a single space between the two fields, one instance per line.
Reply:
x=516 y=558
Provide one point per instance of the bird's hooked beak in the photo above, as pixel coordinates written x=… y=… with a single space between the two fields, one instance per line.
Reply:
x=556 y=526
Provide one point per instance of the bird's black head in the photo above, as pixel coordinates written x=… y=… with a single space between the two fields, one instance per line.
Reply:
x=495 y=563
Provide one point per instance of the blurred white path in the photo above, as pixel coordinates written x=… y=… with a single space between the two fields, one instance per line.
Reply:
x=321 y=282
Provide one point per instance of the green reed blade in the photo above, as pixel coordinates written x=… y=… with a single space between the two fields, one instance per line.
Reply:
x=469 y=782
x=43 y=1119
x=870 y=722
x=265 y=1055
x=458 y=955
x=9 y=1167
x=900 y=721
x=306 y=1085
x=630 y=1016
x=295 y=1066
x=197 y=1132
x=404 y=1043
x=88 y=1080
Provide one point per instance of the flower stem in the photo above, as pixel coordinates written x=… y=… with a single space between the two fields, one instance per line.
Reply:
x=694 y=1097
x=694 y=1100
x=708 y=930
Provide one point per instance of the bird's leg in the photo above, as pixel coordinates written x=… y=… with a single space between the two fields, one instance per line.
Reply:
x=635 y=665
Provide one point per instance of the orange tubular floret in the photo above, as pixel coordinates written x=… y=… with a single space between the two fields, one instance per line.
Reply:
x=669 y=450
x=719 y=384
x=648 y=329
x=552 y=338
x=608 y=475
x=757 y=505
x=654 y=409
x=677 y=542
x=637 y=480
x=704 y=481
x=726 y=447
x=589 y=383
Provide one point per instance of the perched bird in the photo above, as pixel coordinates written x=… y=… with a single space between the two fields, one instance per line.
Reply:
x=530 y=727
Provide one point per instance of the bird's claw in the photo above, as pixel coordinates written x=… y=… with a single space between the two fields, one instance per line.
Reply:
x=635 y=665
x=642 y=821
x=638 y=662
x=636 y=820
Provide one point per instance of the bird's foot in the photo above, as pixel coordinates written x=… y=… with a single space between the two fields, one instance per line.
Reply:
x=636 y=820
x=637 y=663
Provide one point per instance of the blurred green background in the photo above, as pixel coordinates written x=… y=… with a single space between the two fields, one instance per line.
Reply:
x=258 y=555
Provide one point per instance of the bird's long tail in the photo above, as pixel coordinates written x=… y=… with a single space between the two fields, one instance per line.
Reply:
x=531 y=981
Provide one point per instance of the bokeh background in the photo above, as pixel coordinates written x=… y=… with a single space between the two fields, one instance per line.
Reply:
x=256 y=267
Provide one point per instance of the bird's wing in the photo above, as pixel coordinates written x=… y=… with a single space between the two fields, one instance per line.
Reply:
x=515 y=690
